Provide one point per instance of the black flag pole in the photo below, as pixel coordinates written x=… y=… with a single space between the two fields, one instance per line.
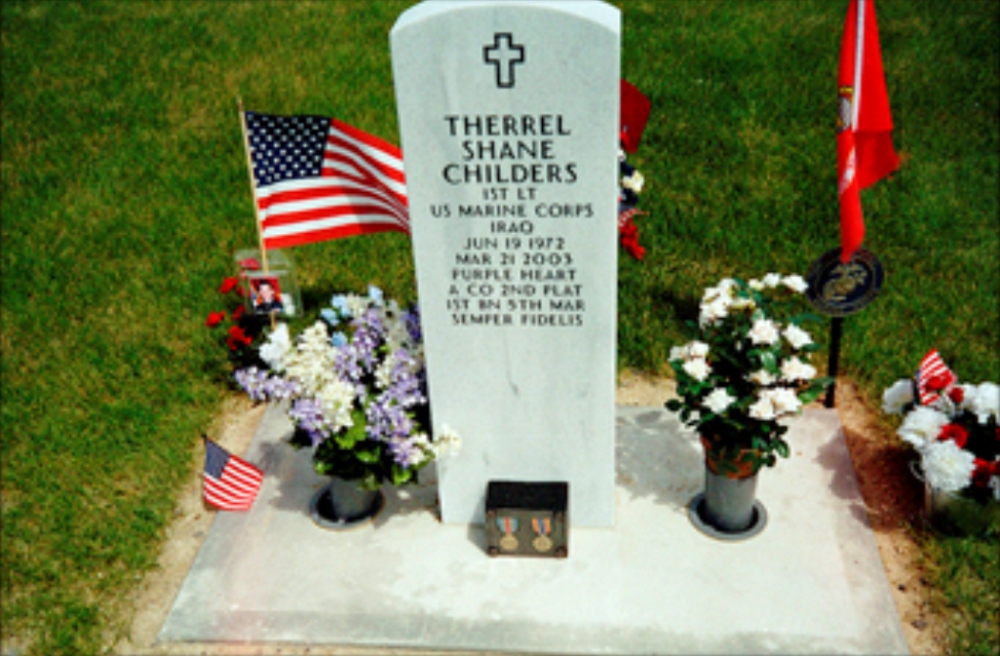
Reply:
x=836 y=328
x=837 y=289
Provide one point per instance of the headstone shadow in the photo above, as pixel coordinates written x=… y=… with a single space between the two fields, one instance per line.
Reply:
x=657 y=460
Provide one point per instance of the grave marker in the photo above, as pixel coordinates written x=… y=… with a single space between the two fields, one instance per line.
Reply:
x=508 y=116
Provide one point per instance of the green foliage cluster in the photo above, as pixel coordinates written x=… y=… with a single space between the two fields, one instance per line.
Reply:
x=124 y=195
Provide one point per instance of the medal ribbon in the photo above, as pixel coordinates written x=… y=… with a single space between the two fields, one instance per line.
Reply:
x=542 y=526
x=507 y=524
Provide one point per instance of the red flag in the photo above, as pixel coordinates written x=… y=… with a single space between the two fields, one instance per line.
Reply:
x=229 y=482
x=933 y=377
x=865 y=153
x=316 y=178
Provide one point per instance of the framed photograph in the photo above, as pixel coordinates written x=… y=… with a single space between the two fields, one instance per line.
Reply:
x=268 y=292
x=265 y=294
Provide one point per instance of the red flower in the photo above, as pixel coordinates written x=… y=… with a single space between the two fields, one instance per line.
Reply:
x=630 y=239
x=238 y=336
x=238 y=312
x=939 y=382
x=228 y=284
x=956 y=394
x=214 y=319
x=956 y=433
x=982 y=473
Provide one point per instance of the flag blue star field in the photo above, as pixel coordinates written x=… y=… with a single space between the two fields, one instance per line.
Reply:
x=317 y=178
x=229 y=482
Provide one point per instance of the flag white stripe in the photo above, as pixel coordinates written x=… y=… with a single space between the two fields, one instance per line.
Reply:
x=389 y=203
x=300 y=227
x=369 y=150
x=368 y=169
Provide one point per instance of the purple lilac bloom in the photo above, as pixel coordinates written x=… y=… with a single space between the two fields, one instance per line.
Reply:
x=411 y=320
x=253 y=381
x=280 y=389
x=308 y=415
x=403 y=451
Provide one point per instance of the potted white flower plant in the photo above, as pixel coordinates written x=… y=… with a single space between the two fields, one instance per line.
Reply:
x=748 y=369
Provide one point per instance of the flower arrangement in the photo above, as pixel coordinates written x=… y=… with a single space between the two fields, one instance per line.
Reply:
x=243 y=328
x=356 y=388
x=746 y=371
x=955 y=433
x=630 y=186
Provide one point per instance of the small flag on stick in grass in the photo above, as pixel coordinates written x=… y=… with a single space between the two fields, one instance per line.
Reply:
x=865 y=153
x=316 y=178
x=229 y=482
x=933 y=377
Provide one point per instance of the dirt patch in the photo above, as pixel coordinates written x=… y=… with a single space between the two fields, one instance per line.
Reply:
x=892 y=496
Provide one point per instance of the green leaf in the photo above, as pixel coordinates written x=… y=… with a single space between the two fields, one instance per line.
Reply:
x=673 y=405
x=781 y=446
x=369 y=456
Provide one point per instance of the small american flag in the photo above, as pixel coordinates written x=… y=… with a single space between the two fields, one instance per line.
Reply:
x=229 y=482
x=317 y=178
x=933 y=377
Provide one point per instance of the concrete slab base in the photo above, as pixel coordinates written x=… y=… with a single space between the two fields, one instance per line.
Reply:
x=810 y=582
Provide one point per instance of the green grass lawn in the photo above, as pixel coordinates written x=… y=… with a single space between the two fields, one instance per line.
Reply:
x=125 y=194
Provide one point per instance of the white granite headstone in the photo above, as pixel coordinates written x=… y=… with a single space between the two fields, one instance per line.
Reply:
x=508 y=114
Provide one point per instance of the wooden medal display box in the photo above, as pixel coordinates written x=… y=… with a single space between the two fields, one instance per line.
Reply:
x=527 y=519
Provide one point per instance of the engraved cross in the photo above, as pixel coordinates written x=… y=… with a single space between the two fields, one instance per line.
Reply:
x=504 y=54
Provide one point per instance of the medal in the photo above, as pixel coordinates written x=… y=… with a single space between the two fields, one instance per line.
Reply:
x=543 y=527
x=509 y=526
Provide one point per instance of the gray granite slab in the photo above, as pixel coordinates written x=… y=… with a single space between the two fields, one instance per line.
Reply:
x=811 y=582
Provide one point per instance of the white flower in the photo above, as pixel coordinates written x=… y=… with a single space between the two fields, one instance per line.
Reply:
x=634 y=182
x=277 y=348
x=718 y=400
x=448 y=442
x=756 y=285
x=697 y=368
x=763 y=409
x=743 y=303
x=772 y=280
x=946 y=466
x=678 y=353
x=796 y=283
x=763 y=378
x=713 y=311
x=995 y=484
x=311 y=361
x=357 y=305
x=794 y=369
x=784 y=400
x=337 y=397
x=985 y=402
x=897 y=397
x=383 y=375
x=763 y=331
x=797 y=337
x=697 y=349
x=922 y=426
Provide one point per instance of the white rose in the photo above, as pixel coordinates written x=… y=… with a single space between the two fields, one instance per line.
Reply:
x=718 y=400
x=796 y=336
x=713 y=311
x=784 y=400
x=677 y=353
x=794 y=369
x=756 y=285
x=697 y=349
x=772 y=280
x=697 y=368
x=922 y=426
x=763 y=409
x=946 y=466
x=796 y=283
x=763 y=331
x=763 y=378
x=897 y=397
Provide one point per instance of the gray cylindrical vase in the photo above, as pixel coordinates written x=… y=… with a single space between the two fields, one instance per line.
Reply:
x=729 y=502
x=342 y=504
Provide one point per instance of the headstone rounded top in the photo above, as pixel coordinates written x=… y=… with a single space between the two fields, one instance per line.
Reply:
x=595 y=10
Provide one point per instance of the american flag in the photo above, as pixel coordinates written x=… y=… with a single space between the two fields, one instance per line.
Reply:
x=229 y=482
x=317 y=178
x=933 y=377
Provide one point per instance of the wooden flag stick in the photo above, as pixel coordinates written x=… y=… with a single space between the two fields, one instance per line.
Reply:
x=253 y=196
x=253 y=184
